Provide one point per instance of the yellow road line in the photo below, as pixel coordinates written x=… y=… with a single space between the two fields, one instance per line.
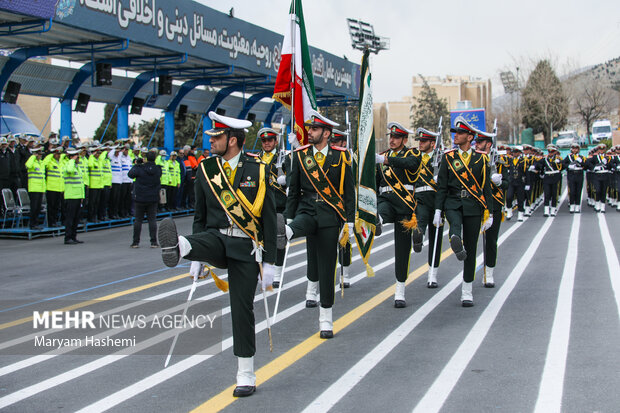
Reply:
x=279 y=364
x=112 y=296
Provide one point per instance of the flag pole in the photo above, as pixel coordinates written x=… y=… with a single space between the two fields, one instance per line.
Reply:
x=294 y=42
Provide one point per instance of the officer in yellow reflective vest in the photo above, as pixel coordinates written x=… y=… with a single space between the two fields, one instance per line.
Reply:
x=54 y=185
x=164 y=172
x=106 y=177
x=36 y=185
x=174 y=180
x=96 y=183
x=74 y=195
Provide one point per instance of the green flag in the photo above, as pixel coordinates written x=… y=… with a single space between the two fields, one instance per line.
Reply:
x=364 y=147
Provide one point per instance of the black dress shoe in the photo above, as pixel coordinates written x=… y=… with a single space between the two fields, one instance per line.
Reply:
x=243 y=391
x=400 y=304
x=418 y=240
x=457 y=246
x=431 y=285
x=311 y=303
x=346 y=284
x=70 y=242
x=78 y=241
x=489 y=285
x=467 y=303
x=326 y=334
x=275 y=284
x=378 y=229
x=169 y=241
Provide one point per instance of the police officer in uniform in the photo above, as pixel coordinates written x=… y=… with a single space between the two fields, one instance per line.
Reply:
x=499 y=184
x=321 y=207
x=425 y=190
x=277 y=178
x=615 y=167
x=74 y=195
x=551 y=167
x=464 y=194
x=574 y=164
x=397 y=171
x=234 y=214
x=517 y=176
x=601 y=168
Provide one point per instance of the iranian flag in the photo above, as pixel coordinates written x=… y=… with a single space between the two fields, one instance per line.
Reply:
x=296 y=92
x=364 y=147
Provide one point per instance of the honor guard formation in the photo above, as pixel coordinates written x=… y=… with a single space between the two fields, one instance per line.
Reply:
x=250 y=206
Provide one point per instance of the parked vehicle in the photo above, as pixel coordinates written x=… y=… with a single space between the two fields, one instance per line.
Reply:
x=566 y=138
x=601 y=130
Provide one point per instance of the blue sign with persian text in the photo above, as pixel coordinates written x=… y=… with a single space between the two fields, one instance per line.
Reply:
x=38 y=8
x=475 y=117
x=187 y=26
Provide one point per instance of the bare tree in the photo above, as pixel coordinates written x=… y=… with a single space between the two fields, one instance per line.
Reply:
x=592 y=101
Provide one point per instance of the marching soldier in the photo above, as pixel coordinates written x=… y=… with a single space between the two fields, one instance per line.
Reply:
x=615 y=166
x=574 y=164
x=397 y=171
x=499 y=184
x=517 y=175
x=321 y=207
x=234 y=228
x=277 y=178
x=600 y=167
x=74 y=194
x=464 y=194
x=551 y=167
x=425 y=190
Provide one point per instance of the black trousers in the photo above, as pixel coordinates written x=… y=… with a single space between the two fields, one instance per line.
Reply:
x=210 y=247
x=72 y=217
x=425 y=214
x=54 y=202
x=402 y=239
x=189 y=193
x=151 y=215
x=171 y=196
x=601 y=182
x=94 y=195
x=104 y=201
x=115 y=196
x=125 y=200
x=575 y=186
x=36 y=198
x=518 y=189
x=491 y=234
x=322 y=251
x=469 y=227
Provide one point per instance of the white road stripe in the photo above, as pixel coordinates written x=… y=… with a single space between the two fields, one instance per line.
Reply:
x=612 y=258
x=441 y=388
x=332 y=395
x=552 y=382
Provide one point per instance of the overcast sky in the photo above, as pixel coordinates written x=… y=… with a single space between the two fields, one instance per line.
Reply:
x=474 y=37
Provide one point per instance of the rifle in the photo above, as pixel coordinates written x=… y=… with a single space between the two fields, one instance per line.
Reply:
x=282 y=148
x=493 y=152
x=438 y=151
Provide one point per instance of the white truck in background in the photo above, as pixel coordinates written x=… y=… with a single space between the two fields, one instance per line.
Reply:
x=601 y=130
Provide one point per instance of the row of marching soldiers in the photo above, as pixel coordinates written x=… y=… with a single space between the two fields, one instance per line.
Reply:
x=535 y=178
x=94 y=174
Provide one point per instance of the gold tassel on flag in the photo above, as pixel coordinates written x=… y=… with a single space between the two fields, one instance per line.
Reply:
x=485 y=216
x=345 y=235
x=410 y=224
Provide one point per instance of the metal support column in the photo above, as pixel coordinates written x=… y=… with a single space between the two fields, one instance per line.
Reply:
x=122 y=122
x=169 y=131
x=65 y=118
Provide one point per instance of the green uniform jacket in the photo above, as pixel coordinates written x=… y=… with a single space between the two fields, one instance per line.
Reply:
x=74 y=184
x=53 y=173
x=165 y=179
x=36 y=174
x=424 y=178
x=449 y=191
x=502 y=168
x=209 y=214
x=106 y=169
x=94 y=173
x=279 y=192
x=406 y=165
x=302 y=195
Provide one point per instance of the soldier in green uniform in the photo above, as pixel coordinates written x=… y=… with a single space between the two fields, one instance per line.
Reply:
x=499 y=184
x=277 y=178
x=464 y=194
x=397 y=171
x=321 y=207
x=425 y=190
x=235 y=228
x=339 y=140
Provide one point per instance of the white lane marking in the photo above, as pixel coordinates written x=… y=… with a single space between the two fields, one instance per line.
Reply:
x=441 y=388
x=612 y=258
x=355 y=374
x=552 y=381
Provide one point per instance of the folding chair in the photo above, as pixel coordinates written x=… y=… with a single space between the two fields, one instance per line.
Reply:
x=24 y=200
x=9 y=206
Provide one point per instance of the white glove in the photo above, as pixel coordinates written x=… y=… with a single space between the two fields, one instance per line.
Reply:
x=578 y=160
x=532 y=168
x=487 y=224
x=288 y=221
x=351 y=229
x=269 y=270
x=379 y=158
x=195 y=269
x=437 y=218
x=571 y=167
x=557 y=160
x=292 y=139
x=527 y=187
x=497 y=179
x=282 y=180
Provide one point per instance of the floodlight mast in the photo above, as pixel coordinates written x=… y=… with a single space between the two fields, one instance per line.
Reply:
x=363 y=37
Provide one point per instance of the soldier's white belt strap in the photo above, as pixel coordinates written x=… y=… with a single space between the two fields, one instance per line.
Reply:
x=233 y=232
x=551 y=172
x=424 y=188
x=383 y=189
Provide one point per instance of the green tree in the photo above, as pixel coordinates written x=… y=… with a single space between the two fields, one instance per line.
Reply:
x=427 y=108
x=110 y=133
x=184 y=131
x=545 y=105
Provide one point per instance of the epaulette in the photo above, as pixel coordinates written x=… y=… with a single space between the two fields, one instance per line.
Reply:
x=303 y=147
x=449 y=150
x=338 y=148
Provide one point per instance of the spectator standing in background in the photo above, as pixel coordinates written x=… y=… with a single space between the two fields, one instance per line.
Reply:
x=146 y=187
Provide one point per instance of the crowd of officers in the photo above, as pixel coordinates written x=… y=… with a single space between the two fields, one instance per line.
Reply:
x=87 y=181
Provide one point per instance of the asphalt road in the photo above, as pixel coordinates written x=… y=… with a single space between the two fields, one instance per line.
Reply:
x=545 y=339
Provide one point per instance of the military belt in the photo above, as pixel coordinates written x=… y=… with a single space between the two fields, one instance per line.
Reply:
x=233 y=231
x=383 y=189
x=424 y=188
x=463 y=193
x=313 y=196
x=551 y=172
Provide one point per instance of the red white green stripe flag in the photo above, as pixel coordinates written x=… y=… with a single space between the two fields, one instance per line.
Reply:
x=296 y=59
